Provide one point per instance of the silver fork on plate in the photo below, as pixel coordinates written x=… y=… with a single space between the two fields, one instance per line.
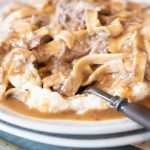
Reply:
x=134 y=111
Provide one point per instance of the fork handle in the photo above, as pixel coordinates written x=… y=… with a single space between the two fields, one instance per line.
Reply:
x=138 y=113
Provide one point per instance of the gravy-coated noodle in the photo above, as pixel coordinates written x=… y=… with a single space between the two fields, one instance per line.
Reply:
x=50 y=49
x=107 y=68
x=92 y=20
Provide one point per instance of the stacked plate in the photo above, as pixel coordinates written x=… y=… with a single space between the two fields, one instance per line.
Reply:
x=73 y=133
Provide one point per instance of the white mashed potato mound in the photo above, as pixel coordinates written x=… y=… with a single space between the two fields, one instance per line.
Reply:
x=47 y=101
x=89 y=102
x=30 y=77
x=140 y=90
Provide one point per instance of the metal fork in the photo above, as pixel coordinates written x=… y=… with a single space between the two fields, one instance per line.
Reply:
x=134 y=111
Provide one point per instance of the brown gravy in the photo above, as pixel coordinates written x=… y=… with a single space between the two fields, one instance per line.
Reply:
x=92 y=115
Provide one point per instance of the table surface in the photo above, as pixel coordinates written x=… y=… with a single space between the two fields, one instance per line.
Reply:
x=30 y=145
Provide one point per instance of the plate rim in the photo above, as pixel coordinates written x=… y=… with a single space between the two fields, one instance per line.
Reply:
x=59 y=141
x=68 y=126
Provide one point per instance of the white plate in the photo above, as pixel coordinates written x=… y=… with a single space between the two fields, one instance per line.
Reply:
x=68 y=126
x=73 y=142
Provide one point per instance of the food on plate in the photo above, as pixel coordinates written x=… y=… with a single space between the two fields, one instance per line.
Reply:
x=51 y=49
